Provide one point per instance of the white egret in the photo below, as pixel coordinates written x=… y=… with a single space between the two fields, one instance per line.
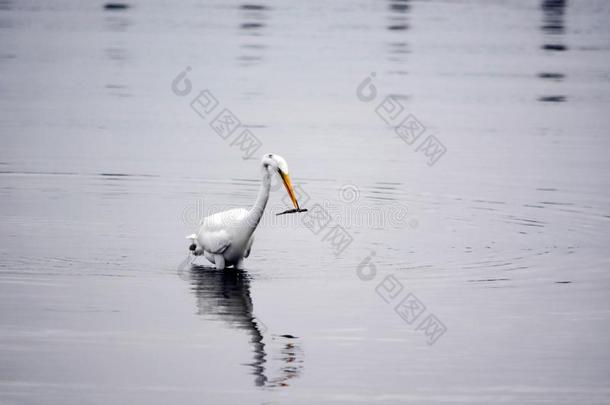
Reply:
x=225 y=238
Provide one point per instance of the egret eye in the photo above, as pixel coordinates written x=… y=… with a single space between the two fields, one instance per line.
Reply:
x=270 y=155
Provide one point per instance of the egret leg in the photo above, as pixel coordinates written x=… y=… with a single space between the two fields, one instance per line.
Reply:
x=219 y=261
x=240 y=264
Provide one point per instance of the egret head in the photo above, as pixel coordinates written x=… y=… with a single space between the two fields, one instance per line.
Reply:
x=278 y=163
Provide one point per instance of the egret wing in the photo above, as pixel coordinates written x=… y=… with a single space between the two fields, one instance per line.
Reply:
x=215 y=234
x=215 y=241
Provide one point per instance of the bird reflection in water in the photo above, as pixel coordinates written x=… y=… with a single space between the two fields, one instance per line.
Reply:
x=225 y=295
x=553 y=28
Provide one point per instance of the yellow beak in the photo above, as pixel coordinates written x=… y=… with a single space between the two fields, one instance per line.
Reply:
x=288 y=185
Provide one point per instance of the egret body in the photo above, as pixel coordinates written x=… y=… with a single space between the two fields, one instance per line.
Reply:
x=225 y=238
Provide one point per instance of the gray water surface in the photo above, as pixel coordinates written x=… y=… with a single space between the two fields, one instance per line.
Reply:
x=502 y=240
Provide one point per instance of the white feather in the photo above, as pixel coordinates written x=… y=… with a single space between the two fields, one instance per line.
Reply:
x=225 y=238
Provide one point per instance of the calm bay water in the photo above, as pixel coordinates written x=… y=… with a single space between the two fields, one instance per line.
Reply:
x=104 y=170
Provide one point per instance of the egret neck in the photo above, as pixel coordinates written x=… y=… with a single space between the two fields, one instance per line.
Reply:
x=256 y=212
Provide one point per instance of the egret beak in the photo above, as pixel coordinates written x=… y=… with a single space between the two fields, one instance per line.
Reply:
x=288 y=185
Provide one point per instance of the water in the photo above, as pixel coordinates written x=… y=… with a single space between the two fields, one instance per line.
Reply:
x=103 y=171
